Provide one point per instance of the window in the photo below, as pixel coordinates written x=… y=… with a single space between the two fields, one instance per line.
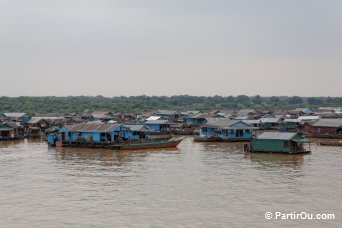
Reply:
x=286 y=143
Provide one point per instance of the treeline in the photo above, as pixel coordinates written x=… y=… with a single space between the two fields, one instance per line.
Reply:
x=68 y=105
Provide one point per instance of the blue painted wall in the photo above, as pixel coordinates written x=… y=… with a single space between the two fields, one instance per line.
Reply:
x=154 y=127
x=26 y=119
x=225 y=133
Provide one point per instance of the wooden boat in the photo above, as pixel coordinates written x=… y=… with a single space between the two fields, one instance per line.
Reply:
x=333 y=143
x=218 y=139
x=147 y=144
x=207 y=139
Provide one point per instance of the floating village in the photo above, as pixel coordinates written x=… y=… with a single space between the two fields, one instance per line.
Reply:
x=278 y=131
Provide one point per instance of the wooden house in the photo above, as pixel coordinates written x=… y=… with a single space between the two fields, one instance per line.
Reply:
x=10 y=131
x=38 y=125
x=323 y=128
x=278 y=142
x=91 y=132
x=224 y=129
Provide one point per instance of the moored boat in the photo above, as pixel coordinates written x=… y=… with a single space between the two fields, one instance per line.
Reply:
x=331 y=143
x=170 y=143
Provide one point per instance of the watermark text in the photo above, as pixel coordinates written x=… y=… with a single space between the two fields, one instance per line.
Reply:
x=277 y=215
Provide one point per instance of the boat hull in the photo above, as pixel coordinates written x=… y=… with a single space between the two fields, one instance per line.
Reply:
x=282 y=152
x=148 y=145
x=218 y=139
x=331 y=143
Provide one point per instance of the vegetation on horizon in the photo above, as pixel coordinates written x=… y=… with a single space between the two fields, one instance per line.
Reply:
x=70 y=104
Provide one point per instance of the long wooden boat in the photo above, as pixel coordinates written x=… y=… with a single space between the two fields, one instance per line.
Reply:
x=171 y=143
x=337 y=143
x=218 y=139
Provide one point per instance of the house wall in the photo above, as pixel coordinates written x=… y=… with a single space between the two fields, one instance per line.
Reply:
x=307 y=129
x=26 y=119
x=194 y=120
x=51 y=139
x=129 y=135
x=225 y=133
x=269 y=145
x=154 y=127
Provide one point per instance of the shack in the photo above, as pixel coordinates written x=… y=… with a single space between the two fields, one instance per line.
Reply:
x=279 y=142
x=11 y=131
x=323 y=128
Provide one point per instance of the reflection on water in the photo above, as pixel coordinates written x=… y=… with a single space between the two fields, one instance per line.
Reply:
x=276 y=160
x=196 y=185
x=106 y=156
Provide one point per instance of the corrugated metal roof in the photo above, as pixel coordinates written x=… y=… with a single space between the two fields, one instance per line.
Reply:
x=328 y=123
x=251 y=121
x=137 y=127
x=292 y=121
x=153 y=118
x=10 y=125
x=157 y=122
x=92 y=127
x=222 y=122
x=99 y=116
x=244 y=112
x=202 y=115
x=35 y=120
x=308 y=117
x=190 y=112
x=14 y=114
x=277 y=135
x=166 y=112
x=241 y=118
x=270 y=120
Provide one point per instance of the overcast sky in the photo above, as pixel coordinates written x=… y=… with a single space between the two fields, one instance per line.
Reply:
x=170 y=47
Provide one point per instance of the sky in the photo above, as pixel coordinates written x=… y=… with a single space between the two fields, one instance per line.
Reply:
x=170 y=47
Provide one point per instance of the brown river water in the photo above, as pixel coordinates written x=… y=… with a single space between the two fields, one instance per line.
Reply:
x=196 y=185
